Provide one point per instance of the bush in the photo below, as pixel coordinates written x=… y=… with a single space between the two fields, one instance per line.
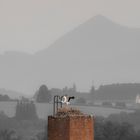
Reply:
x=120 y=104
x=108 y=104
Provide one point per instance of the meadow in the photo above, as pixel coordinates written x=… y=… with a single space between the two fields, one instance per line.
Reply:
x=45 y=109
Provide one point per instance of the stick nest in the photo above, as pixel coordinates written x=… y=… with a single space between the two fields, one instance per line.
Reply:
x=67 y=111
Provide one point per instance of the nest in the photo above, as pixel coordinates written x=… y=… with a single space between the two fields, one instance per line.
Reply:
x=66 y=111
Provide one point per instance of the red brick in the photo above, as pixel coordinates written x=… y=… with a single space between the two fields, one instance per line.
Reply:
x=71 y=128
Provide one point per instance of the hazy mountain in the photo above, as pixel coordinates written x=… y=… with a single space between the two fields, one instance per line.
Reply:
x=98 y=50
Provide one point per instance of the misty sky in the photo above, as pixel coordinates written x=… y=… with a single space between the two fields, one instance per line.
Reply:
x=31 y=25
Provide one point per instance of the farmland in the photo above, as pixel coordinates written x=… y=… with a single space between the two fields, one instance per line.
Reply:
x=45 y=109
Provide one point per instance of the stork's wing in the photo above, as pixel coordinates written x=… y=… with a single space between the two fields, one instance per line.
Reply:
x=70 y=98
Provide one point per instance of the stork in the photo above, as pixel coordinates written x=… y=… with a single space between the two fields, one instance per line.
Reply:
x=66 y=100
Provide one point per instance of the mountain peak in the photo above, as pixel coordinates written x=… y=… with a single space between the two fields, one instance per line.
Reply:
x=100 y=20
x=100 y=17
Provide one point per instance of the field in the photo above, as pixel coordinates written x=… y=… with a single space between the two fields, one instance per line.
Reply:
x=44 y=109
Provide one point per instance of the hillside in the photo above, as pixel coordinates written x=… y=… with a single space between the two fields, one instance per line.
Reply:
x=98 y=50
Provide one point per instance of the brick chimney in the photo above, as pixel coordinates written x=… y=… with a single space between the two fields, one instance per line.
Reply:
x=65 y=126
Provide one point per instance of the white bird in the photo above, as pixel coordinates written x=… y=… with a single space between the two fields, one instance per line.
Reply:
x=66 y=100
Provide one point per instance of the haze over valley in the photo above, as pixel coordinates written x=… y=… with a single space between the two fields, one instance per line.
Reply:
x=98 y=50
x=69 y=64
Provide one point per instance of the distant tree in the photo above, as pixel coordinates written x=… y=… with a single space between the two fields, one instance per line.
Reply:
x=3 y=115
x=107 y=130
x=43 y=94
x=65 y=89
x=8 y=135
x=107 y=104
x=4 y=98
x=92 y=91
x=120 y=104
x=35 y=95
x=74 y=88
x=42 y=135
x=45 y=137
x=26 y=111
x=138 y=135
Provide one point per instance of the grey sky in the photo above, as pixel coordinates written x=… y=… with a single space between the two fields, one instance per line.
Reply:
x=31 y=25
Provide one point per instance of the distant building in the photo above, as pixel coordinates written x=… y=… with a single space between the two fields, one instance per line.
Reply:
x=138 y=99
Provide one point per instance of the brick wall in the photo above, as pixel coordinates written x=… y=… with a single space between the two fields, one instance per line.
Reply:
x=71 y=128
